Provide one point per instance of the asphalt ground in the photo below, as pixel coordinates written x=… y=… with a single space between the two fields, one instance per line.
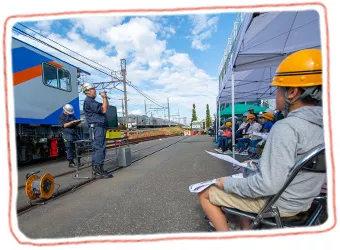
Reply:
x=67 y=182
x=59 y=166
x=151 y=196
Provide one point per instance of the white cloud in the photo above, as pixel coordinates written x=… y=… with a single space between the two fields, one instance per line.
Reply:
x=180 y=60
x=135 y=112
x=137 y=38
x=167 y=32
x=94 y=26
x=44 y=26
x=202 y=28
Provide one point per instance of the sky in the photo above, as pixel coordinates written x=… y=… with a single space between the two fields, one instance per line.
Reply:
x=175 y=57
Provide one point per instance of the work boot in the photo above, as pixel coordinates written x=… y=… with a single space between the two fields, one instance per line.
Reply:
x=96 y=170
x=104 y=173
x=71 y=164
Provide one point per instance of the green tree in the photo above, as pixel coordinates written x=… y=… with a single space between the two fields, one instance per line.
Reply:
x=208 y=118
x=194 y=116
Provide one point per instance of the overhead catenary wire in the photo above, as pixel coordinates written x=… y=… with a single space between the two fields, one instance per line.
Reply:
x=146 y=96
x=66 y=47
x=42 y=42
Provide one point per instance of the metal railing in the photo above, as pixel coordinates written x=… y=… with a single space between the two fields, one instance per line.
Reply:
x=224 y=64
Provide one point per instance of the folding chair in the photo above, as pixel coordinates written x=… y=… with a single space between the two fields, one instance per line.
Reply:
x=269 y=215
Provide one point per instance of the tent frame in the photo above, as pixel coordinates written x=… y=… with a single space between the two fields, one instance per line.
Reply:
x=238 y=36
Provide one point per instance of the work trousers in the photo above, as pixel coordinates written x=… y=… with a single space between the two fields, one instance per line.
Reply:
x=98 y=145
x=69 y=145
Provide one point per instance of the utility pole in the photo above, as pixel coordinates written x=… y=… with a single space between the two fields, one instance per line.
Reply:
x=123 y=68
x=145 y=106
x=122 y=107
x=169 y=111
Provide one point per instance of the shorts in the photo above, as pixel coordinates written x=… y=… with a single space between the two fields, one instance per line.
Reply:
x=220 y=198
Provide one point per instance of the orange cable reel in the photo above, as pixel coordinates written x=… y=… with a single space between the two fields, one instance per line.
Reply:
x=36 y=187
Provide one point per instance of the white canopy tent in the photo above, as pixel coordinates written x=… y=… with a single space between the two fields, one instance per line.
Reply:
x=250 y=85
x=264 y=40
x=272 y=36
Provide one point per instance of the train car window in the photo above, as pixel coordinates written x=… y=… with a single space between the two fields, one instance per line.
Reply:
x=50 y=75
x=65 y=80
x=56 y=77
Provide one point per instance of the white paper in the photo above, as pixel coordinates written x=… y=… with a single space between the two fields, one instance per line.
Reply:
x=239 y=175
x=264 y=136
x=199 y=187
x=253 y=165
x=228 y=159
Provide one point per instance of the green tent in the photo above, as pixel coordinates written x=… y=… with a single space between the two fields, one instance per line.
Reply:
x=239 y=109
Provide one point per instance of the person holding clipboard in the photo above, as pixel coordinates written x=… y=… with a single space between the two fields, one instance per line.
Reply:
x=69 y=124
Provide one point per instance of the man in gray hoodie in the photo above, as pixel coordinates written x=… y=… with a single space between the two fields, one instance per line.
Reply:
x=299 y=82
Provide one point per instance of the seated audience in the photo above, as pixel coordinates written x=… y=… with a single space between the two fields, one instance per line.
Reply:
x=226 y=137
x=257 y=143
x=288 y=141
x=253 y=127
x=243 y=127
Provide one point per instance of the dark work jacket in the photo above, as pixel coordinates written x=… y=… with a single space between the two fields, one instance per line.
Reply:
x=94 y=113
x=70 y=132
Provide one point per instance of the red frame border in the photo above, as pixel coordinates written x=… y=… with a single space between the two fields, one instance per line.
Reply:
x=67 y=242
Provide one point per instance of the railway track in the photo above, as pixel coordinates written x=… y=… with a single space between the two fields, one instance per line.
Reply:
x=109 y=145
x=67 y=190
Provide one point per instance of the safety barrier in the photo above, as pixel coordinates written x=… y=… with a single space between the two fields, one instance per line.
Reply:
x=142 y=134
x=113 y=134
x=191 y=133
x=138 y=134
x=187 y=133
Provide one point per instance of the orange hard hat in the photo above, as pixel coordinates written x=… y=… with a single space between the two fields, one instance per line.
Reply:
x=228 y=124
x=300 y=69
x=250 y=116
x=268 y=116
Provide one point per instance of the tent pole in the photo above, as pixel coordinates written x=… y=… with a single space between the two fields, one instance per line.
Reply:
x=219 y=114
x=233 y=112
x=216 y=121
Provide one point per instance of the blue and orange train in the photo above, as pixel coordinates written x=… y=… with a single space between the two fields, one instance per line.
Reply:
x=43 y=84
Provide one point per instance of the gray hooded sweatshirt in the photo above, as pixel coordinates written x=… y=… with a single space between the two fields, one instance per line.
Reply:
x=288 y=141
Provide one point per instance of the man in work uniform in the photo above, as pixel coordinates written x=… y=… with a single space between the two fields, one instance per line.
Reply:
x=69 y=124
x=96 y=119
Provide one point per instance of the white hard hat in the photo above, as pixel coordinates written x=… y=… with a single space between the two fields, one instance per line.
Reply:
x=68 y=108
x=246 y=114
x=88 y=86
